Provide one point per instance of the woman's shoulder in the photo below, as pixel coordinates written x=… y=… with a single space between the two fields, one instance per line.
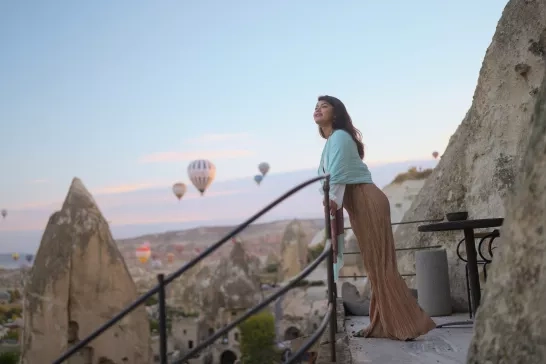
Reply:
x=341 y=136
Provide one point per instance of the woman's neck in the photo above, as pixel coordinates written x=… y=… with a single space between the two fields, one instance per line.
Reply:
x=327 y=131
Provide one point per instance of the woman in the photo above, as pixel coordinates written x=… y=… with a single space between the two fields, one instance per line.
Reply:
x=394 y=312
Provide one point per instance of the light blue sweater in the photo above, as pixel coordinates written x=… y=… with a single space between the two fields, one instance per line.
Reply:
x=340 y=158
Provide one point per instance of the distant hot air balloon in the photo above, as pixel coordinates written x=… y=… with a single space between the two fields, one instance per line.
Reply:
x=4 y=213
x=179 y=189
x=170 y=257
x=29 y=257
x=258 y=179
x=15 y=256
x=201 y=173
x=143 y=253
x=435 y=154
x=264 y=168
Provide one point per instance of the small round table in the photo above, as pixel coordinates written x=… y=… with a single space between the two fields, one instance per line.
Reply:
x=468 y=227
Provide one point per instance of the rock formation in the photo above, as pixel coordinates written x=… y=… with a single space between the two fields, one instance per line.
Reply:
x=401 y=196
x=234 y=284
x=293 y=251
x=480 y=164
x=79 y=280
x=188 y=290
x=511 y=322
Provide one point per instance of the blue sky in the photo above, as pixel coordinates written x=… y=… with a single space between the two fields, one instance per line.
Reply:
x=123 y=94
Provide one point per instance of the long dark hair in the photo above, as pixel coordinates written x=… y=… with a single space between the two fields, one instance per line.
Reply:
x=342 y=120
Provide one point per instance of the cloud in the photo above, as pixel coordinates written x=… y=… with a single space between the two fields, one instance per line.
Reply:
x=38 y=181
x=164 y=157
x=126 y=188
x=207 y=138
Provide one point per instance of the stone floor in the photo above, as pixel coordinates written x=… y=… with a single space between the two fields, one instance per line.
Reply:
x=445 y=346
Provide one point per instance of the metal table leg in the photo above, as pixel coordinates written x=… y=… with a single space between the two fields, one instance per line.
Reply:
x=473 y=274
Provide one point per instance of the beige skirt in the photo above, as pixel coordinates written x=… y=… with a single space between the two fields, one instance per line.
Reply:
x=394 y=312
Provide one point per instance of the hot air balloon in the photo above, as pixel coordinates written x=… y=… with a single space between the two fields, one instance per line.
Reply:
x=179 y=189
x=258 y=179
x=264 y=168
x=143 y=253
x=170 y=257
x=29 y=257
x=4 y=213
x=435 y=154
x=15 y=256
x=201 y=173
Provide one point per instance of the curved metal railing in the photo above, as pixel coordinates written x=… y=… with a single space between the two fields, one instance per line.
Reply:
x=159 y=289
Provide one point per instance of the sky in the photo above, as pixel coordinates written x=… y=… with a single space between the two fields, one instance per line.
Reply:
x=124 y=94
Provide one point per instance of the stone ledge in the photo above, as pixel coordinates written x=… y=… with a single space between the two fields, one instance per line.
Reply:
x=343 y=353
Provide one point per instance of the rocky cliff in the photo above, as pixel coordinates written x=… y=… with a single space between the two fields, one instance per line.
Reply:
x=79 y=280
x=481 y=162
x=511 y=322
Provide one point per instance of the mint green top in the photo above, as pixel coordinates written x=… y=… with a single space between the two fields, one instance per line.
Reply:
x=340 y=158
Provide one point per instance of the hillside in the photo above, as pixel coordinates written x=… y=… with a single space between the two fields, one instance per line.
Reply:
x=259 y=240
x=403 y=190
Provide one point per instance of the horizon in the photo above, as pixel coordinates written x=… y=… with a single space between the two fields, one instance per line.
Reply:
x=305 y=204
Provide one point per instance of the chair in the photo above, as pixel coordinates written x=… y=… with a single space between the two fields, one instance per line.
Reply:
x=483 y=261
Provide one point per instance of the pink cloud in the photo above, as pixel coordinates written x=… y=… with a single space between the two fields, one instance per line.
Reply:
x=111 y=201
x=161 y=157
x=126 y=188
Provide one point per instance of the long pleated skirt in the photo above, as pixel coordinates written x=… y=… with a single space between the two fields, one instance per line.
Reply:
x=394 y=312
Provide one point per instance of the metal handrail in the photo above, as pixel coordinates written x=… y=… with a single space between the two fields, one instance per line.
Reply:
x=163 y=281
x=404 y=222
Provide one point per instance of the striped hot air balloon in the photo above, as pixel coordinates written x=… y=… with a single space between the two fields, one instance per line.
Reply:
x=201 y=172
x=143 y=253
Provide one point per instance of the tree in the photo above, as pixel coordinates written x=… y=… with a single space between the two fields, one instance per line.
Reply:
x=12 y=335
x=314 y=251
x=9 y=357
x=258 y=339
x=15 y=295
x=154 y=326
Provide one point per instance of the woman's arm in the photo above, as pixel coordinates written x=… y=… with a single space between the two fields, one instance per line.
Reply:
x=337 y=191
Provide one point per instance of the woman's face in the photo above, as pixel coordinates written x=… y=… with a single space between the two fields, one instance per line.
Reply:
x=324 y=114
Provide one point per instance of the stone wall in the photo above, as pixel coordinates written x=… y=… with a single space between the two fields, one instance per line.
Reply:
x=511 y=321
x=481 y=162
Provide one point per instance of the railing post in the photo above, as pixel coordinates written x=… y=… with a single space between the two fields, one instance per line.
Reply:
x=330 y=271
x=162 y=321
